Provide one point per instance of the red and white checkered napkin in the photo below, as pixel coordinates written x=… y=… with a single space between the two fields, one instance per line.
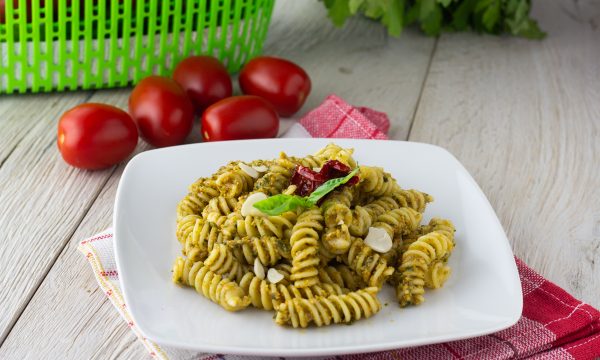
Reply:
x=554 y=325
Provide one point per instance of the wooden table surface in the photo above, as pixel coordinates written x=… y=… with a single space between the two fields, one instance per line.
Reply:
x=522 y=116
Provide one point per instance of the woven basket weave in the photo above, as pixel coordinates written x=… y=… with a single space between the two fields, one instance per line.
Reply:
x=88 y=44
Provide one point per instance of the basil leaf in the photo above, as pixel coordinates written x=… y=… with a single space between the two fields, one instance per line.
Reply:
x=281 y=203
x=328 y=187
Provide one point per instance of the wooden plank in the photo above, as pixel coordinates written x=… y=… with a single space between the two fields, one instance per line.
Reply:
x=524 y=118
x=70 y=317
x=43 y=201
x=80 y=323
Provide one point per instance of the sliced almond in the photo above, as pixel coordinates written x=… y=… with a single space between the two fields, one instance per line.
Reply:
x=248 y=205
x=259 y=269
x=248 y=170
x=274 y=276
x=260 y=168
x=379 y=240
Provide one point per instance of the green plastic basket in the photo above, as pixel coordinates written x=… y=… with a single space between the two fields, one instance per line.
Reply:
x=88 y=44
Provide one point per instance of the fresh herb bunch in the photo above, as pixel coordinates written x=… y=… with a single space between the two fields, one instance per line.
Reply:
x=435 y=16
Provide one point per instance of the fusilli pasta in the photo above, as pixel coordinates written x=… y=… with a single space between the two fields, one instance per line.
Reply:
x=346 y=308
x=305 y=247
x=319 y=263
x=218 y=289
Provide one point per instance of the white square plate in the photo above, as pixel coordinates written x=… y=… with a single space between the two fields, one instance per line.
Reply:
x=483 y=294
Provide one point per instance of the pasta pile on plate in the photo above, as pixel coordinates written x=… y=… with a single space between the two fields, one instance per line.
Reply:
x=313 y=266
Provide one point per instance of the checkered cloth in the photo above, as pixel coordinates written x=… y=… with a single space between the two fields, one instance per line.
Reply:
x=554 y=325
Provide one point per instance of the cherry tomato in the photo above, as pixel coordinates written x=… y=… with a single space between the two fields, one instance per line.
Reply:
x=162 y=111
x=281 y=82
x=96 y=136
x=204 y=79
x=239 y=117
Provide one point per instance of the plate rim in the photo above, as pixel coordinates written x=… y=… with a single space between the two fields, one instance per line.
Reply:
x=326 y=351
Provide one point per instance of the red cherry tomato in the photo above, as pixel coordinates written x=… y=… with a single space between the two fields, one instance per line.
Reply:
x=281 y=82
x=162 y=111
x=96 y=136
x=204 y=79
x=239 y=117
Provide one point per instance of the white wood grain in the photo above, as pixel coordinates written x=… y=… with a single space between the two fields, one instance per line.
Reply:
x=524 y=118
x=70 y=317
x=80 y=323
x=43 y=201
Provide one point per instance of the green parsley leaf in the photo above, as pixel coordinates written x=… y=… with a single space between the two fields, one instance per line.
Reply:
x=434 y=16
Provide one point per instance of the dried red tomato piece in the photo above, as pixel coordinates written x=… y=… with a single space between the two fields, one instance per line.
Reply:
x=307 y=180
x=334 y=169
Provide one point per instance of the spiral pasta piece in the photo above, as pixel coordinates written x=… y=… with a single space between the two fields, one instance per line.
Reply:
x=277 y=178
x=399 y=221
x=221 y=261
x=413 y=199
x=336 y=240
x=185 y=226
x=368 y=264
x=342 y=276
x=437 y=274
x=361 y=221
x=336 y=207
x=416 y=261
x=333 y=309
x=376 y=182
x=268 y=296
x=234 y=182
x=325 y=256
x=268 y=249
x=364 y=216
x=336 y=152
x=219 y=212
x=279 y=226
x=189 y=205
x=435 y=224
x=216 y=288
x=304 y=243
x=308 y=161
x=442 y=226
x=202 y=237
x=380 y=205
x=200 y=193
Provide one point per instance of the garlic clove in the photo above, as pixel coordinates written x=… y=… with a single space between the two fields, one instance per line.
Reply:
x=248 y=205
x=274 y=276
x=379 y=240
x=248 y=170
x=259 y=269
x=261 y=168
